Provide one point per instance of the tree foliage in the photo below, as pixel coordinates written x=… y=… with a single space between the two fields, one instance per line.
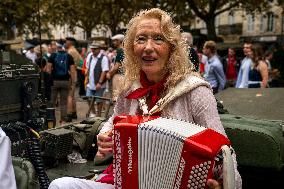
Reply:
x=116 y=12
x=16 y=14
x=90 y=14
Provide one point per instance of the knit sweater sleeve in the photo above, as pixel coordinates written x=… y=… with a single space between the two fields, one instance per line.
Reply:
x=205 y=113
x=118 y=109
x=204 y=109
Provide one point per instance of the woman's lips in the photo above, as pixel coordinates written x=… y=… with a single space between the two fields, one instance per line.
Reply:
x=148 y=59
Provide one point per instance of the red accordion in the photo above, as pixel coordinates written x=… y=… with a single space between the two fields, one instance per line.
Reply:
x=155 y=152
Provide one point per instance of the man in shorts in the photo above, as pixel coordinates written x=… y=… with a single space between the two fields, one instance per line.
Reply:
x=97 y=66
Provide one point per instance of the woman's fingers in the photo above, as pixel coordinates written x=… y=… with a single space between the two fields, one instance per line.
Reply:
x=105 y=137
x=100 y=155
x=105 y=144
x=105 y=141
x=213 y=184
x=104 y=151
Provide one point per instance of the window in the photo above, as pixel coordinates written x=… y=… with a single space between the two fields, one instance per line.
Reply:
x=203 y=25
x=231 y=18
x=262 y=23
x=1 y=32
x=203 y=28
x=104 y=33
x=250 y=22
x=217 y=23
x=270 y=21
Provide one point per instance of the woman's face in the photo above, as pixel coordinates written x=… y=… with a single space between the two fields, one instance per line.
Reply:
x=151 y=48
x=250 y=54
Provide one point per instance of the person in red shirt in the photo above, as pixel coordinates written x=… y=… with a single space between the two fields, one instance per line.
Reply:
x=231 y=64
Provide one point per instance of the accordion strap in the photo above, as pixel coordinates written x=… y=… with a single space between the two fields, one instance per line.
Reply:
x=142 y=101
x=228 y=168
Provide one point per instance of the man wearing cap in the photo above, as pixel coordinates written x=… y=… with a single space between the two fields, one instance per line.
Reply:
x=71 y=102
x=96 y=68
x=116 y=72
x=31 y=54
x=61 y=67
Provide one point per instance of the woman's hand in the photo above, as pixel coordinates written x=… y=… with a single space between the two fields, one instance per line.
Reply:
x=213 y=184
x=105 y=144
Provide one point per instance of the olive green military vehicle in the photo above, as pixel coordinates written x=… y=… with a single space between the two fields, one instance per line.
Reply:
x=254 y=124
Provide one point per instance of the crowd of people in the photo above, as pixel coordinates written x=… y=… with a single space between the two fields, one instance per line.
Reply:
x=91 y=70
x=253 y=70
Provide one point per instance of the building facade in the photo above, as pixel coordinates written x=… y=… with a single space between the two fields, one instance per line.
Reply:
x=238 y=25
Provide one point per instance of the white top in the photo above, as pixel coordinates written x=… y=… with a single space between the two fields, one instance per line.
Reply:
x=92 y=65
x=31 y=55
x=242 y=81
x=268 y=64
x=7 y=176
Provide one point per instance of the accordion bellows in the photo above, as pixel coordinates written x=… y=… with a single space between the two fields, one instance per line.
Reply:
x=154 y=152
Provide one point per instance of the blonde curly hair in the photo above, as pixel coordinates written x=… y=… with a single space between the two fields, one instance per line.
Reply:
x=178 y=66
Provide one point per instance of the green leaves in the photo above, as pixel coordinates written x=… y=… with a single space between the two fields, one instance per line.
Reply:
x=91 y=14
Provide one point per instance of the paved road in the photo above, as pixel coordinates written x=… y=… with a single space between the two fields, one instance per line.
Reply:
x=82 y=109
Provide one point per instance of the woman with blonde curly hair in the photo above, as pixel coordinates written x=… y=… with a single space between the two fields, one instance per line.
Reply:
x=158 y=81
x=177 y=66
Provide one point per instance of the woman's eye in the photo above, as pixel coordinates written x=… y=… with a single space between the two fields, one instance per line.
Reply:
x=159 y=39
x=141 y=39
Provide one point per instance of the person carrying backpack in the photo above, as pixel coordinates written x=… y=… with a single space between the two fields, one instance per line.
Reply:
x=61 y=67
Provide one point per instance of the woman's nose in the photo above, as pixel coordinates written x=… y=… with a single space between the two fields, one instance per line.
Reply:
x=149 y=45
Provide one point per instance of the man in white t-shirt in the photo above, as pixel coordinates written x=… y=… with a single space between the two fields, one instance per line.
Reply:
x=7 y=176
x=242 y=81
x=96 y=68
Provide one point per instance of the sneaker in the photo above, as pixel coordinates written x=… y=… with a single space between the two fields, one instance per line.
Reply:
x=92 y=115
x=68 y=119
x=84 y=97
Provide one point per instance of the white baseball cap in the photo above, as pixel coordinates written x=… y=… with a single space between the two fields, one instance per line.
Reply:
x=118 y=37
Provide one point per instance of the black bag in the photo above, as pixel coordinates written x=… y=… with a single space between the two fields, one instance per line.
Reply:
x=60 y=64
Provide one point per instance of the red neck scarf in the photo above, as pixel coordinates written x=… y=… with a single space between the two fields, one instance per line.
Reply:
x=153 y=89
